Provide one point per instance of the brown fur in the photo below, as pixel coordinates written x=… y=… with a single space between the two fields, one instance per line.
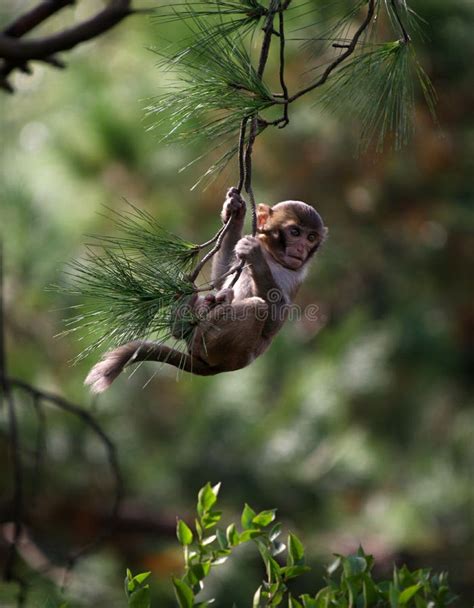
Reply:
x=237 y=325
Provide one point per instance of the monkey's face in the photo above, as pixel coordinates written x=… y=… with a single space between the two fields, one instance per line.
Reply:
x=295 y=245
x=291 y=232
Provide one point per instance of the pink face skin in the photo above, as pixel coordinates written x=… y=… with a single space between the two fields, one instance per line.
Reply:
x=300 y=242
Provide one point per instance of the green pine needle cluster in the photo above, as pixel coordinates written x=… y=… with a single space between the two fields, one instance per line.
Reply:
x=375 y=91
x=217 y=83
x=406 y=14
x=246 y=11
x=142 y=235
x=132 y=284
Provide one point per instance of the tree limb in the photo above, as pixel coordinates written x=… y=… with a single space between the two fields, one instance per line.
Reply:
x=16 y=52
x=25 y=23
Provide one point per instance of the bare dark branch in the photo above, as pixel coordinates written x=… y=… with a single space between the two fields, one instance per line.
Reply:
x=16 y=51
x=25 y=23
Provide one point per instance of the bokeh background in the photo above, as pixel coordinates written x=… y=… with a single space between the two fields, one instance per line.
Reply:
x=357 y=426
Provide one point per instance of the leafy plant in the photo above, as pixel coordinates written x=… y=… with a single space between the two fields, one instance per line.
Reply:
x=349 y=579
x=137 y=591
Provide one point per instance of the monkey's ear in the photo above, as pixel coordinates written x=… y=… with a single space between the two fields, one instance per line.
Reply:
x=263 y=213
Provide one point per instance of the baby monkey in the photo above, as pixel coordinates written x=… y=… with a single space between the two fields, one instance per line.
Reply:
x=236 y=324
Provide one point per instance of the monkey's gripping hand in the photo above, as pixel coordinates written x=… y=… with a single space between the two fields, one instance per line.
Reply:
x=234 y=206
x=249 y=249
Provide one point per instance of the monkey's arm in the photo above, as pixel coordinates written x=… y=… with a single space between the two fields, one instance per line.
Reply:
x=234 y=206
x=265 y=286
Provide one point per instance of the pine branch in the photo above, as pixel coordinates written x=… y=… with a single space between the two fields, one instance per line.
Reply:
x=132 y=284
x=349 y=51
x=375 y=89
x=218 y=86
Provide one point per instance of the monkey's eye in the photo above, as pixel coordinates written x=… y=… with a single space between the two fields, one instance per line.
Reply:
x=295 y=231
x=312 y=238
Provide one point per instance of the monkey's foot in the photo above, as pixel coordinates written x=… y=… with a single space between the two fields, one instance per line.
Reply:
x=224 y=296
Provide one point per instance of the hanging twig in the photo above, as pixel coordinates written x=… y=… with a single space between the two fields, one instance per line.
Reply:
x=406 y=35
x=220 y=236
x=243 y=128
x=245 y=154
x=281 y=19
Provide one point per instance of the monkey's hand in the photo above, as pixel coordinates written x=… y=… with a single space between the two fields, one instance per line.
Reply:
x=234 y=206
x=250 y=250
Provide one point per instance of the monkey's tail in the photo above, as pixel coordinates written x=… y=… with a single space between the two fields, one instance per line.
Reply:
x=104 y=373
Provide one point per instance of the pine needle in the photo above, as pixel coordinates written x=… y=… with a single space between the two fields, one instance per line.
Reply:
x=218 y=86
x=132 y=284
x=375 y=89
x=142 y=235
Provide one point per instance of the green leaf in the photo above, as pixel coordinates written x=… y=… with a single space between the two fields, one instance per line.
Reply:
x=200 y=571
x=324 y=598
x=257 y=597
x=249 y=535
x=295 y=551
x=199 y=529
x=369 y=591
x=140 y=578
x=308 y=602
x=184 y=594
x=277 y=548
x=333 y=567
x=129 y=584
x=264 y=518
x=222 y=539
x=272 y=566
x=210 y=519
x=353 y=565
x=275 y=532
x=408 y=593
x=206 y=499
x=209 y=540
x=293 y=602
x=393 y=596
x=183 y=532
x=293 y=571
x=247 y=517
x=140 y=598
x=232 y=535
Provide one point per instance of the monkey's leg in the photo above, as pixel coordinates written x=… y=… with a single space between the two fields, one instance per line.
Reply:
x=104 y=373
x=198 y=307
x=231 y=336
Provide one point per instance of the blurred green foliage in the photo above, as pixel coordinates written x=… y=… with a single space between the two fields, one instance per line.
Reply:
x=358 y=424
